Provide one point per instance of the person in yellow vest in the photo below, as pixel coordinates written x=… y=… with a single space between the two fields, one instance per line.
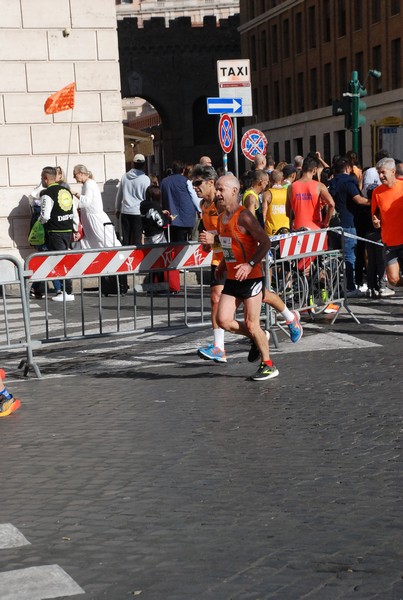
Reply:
x=273 y=205
x=251 y=197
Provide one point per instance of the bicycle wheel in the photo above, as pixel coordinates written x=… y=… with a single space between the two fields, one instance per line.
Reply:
x=291 y=285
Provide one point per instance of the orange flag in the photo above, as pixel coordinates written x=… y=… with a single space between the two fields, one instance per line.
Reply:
x=61 y=100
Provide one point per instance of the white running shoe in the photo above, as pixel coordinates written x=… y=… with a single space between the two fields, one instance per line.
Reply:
x=63 y=296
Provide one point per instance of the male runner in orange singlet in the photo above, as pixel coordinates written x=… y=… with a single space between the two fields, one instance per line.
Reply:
x=244 y=245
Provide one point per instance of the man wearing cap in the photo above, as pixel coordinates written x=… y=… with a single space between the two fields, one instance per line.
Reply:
x=131 y=193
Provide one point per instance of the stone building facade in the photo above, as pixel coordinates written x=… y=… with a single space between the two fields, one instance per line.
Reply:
x=302 y=55
x=44 y=47
x=172 y=9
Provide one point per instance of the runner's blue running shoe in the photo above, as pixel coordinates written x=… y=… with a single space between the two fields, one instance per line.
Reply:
x=295 y=327
x=212 y=353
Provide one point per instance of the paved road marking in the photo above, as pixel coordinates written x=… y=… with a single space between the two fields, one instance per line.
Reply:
x=37 y=583
x=10 y=537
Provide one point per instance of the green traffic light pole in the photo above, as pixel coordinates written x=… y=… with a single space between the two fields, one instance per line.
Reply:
x=357 y=90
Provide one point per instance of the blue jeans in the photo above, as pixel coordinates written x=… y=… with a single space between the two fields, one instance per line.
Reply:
x=349 y=256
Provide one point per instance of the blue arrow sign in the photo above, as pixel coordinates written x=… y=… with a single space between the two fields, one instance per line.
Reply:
x=218 y=106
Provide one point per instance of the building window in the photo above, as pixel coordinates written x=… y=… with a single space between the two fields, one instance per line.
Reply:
x=265 y=103
x=326 y=21
x=359 y=63
x=274 y=44
x=300 y=92
x=395 y=7
x=357 y=15
x=342 y=75
x=255 y=101
x=287 y=151
x=312 y=26
x=298 y=33
x=252 y=52
x=326 y=148
x=375 y=11
x=276 y=152
x=396 y=63
x=286 y=38
x=341 y=12
x=340 y=142
x=327 y=83
x=312 y=143
x=313 y=76
x=299 y=146
x=376 y=64
x=276 y=99
x=263 y=49
x=288 y=96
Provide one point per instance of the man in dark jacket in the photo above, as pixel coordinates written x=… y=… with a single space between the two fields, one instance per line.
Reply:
x=179 y=198
x=346 y=194
x=59 y=217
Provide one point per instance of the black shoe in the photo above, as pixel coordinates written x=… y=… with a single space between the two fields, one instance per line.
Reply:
x=254 y=353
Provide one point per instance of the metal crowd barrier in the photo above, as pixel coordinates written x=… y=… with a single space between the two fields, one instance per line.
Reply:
x=301 y=269
x=14 y=306
x=307 y=274
x=120 y=312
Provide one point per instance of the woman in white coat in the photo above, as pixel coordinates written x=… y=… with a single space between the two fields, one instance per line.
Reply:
x=92 y=215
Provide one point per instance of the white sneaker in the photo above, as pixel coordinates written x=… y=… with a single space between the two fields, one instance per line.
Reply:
x=385 y=292
x=63 y=296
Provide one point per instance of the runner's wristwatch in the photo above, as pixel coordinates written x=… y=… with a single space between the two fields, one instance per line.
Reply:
x=251 y=263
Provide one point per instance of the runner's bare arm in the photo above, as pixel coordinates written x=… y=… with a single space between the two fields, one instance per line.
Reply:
x=327 y=199
x=266 y=201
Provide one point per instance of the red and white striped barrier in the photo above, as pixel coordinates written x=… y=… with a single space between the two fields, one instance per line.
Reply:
x=116 y=260
x=299 y=243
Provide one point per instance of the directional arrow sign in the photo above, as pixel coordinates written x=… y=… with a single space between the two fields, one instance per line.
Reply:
x=218 y=106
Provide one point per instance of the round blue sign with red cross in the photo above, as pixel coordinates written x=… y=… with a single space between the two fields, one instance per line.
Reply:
x=253 y=142
x=226 y=133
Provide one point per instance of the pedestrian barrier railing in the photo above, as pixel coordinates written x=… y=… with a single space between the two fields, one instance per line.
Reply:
x=307 y=274
x=12 y=276
x=124 y=313
x=301 y=268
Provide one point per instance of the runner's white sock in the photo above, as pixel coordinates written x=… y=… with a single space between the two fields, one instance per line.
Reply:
x=288 y=315
x=219 y=338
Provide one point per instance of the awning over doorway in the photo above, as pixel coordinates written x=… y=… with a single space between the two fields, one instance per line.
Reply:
x=137 y=142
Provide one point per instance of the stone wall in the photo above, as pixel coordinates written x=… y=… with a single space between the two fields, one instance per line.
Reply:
x=44 y=46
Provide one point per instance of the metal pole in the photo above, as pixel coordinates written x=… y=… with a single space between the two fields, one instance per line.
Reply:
x=236 y=146
x=225 y=161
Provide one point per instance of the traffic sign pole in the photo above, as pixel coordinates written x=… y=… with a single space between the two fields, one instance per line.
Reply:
x=236 y=147
x=225 y=161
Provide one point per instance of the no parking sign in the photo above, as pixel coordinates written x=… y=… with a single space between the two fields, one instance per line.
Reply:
x=253 y=142
x=226 y=133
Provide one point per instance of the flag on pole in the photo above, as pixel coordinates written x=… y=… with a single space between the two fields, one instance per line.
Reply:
x=61 y=100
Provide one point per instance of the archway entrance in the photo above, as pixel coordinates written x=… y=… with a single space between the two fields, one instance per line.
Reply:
x=143 y=133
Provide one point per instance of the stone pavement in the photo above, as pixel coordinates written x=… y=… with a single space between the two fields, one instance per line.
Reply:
x=142 y=471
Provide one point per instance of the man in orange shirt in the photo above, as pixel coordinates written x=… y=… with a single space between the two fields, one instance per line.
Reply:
x=203 y=179
x=387 y=211
x=244 y=245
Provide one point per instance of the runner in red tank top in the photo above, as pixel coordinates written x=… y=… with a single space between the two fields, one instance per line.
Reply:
x=305 y=198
